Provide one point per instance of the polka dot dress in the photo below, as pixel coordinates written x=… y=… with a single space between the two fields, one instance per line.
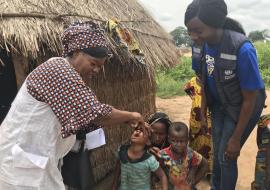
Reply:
x=56 y=83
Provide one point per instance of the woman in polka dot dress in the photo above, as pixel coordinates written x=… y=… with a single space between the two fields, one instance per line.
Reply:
x=52 y=106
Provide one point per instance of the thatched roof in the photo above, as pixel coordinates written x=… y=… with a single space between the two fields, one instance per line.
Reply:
x=34 y=26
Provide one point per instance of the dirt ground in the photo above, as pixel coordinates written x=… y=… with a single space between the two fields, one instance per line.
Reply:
x=178 y=109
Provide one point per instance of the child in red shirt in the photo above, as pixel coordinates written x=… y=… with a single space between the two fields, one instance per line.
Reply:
x=183 y=166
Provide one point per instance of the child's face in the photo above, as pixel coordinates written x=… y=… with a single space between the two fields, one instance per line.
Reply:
x=159 y=133
x=138 y=137
x=178 y=141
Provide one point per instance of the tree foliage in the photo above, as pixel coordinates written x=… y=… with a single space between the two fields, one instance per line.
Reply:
x=181 y=37
x=258 y=35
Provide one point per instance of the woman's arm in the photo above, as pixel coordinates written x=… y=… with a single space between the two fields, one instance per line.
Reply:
x=119 y=117
x=250 y=82
x=116 y=175
x=163 y=178
x=234 y=146
x=203 y=108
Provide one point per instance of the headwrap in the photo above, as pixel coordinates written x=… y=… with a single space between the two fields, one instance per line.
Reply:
x=84 y=36
x=211 y=12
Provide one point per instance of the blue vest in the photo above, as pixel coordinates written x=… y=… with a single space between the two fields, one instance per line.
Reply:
x=226 y=80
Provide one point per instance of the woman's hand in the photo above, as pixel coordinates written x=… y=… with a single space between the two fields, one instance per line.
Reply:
x=233 y=149
x=135 y=119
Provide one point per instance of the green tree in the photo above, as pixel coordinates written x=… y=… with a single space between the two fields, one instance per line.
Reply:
x=258 y=35
x=180 y=36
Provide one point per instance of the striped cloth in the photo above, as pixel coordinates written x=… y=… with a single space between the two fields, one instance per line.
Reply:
x=137 y=175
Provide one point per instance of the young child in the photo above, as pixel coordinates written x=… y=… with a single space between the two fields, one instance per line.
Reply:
x=159 y=123
x=200 y=136
x=262 y=170
x=183 y=166
x=135 y=164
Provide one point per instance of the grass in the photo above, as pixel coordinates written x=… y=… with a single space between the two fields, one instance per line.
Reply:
x=170 y=82
x=263 y=53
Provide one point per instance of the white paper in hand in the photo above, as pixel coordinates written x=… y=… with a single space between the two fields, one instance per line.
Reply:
x=95 y=139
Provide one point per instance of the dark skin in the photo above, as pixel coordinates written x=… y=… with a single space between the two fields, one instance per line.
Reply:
x=159 y=133
x=139 y=139
x=200 y=32
x=179 y=143
x=88 y=66
x=158 y=138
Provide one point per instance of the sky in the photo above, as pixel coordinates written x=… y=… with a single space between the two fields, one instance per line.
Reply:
x=252 y=14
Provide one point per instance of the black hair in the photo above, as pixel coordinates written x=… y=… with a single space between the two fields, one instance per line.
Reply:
x=231 y=24
x=212 y=13
x=97 y=52
x=192 y=11
x=178 y=127
x=160 y=117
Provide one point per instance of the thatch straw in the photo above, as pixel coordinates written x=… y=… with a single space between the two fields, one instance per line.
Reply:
x=32 y=26
x=126 y=86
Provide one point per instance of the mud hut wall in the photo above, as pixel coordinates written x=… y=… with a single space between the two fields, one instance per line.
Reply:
x=128 y=87
x=21 y=67
x=24 y=65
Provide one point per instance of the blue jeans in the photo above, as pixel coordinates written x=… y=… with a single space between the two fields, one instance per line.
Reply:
x=225 y=172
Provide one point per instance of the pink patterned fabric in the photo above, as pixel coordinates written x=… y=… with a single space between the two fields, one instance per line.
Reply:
x=82 y=35
x=56 y=83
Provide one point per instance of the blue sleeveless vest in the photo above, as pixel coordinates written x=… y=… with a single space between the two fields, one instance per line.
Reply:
x=226 y=79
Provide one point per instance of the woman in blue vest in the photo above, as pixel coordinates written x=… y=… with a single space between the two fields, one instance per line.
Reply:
x=232 y=86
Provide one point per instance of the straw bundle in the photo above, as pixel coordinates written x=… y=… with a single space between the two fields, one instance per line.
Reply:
x=31 y=27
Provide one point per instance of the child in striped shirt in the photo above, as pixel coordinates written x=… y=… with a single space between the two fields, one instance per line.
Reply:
x=135 y=164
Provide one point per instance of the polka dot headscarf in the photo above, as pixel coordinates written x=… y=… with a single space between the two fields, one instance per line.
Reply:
x=84 y=36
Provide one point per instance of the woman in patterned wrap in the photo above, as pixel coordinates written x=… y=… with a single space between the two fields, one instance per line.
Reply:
x=52 y=106
x=199 y=136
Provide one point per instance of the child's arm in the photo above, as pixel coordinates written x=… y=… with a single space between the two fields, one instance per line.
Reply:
x=116 y=175
x=155 y=151
x=200 y=172
x=163 y=178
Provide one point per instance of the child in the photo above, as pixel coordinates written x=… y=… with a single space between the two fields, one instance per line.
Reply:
x=262 y=170
x=200 y=135
x=135 y=164
x=183 y=166
x=159 y=123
